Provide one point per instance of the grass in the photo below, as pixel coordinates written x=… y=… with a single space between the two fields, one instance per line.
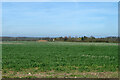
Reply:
x=58 y=57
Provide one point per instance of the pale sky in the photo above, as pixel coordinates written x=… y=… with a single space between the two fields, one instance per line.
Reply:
x=50 y=19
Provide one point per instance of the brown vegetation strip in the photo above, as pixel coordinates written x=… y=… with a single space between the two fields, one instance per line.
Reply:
x=60 y=79
x=11 y=43
x=63 y=75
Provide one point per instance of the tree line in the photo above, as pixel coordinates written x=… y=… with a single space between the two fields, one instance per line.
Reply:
x=87 y=39
x=66 y=39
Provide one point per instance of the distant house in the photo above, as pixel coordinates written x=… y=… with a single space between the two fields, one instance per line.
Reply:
x=53 y=40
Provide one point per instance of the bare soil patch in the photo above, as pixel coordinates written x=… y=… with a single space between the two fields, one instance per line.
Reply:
x=42 y=41
x=63 y=75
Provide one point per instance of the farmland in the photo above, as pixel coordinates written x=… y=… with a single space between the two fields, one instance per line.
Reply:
x=59 y=59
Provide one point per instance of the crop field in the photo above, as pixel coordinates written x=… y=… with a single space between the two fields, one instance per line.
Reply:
x=59 y=59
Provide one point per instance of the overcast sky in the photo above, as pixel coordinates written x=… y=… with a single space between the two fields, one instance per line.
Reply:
x=50 y=19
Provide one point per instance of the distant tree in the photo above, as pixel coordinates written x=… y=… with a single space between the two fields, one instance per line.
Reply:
x=60 y=37
x=65 y=39
x=85 y=37
x=69 y=37
x=92 y=37
x=82 y=38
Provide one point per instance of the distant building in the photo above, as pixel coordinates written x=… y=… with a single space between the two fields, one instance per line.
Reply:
x=53 y=40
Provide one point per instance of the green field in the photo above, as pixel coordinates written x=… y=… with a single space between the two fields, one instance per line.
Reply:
x=59 y=59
